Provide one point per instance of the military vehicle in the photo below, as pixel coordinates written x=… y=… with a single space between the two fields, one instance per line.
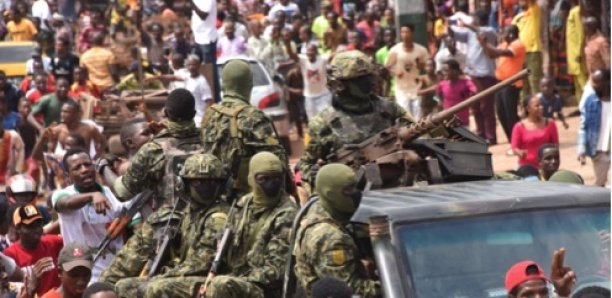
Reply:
x=459 y=239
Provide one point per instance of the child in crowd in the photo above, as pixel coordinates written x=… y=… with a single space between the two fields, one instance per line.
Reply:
x=551 y=101
x=455 y=89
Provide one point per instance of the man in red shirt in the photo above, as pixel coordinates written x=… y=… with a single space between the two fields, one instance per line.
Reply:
x=35 y=252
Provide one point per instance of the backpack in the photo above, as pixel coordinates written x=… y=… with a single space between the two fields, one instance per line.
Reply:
x=176 y=152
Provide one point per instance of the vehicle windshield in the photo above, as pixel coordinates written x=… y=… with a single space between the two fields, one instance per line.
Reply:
x=469 y=257
x=259 y=76
x=15 y=54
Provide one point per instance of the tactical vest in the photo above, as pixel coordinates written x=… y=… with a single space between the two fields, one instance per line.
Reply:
x=176 y=151
x=353 y=129
x=215 y=139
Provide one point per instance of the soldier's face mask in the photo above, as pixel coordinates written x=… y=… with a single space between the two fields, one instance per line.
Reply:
x=360 y=87
x=353 y=193
x=203 y=191
x=271 y=183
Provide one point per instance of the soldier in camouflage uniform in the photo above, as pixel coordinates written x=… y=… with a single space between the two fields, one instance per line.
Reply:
x=204 y=217
x=148 y=170
x=255 y=259
x=324 y=246
x=233 y=129
x=355 y=115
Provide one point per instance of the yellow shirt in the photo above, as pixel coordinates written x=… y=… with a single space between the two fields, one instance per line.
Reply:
x=98 y=62
x=24 y=31
x=574 y=43
x=528 y=23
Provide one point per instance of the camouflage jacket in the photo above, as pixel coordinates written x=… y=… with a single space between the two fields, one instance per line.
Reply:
x=333 y=128
x=267 y=231
x=133 y=256
x=147 y=167
x=254 y=132
x=198 y=243
x=325 y=248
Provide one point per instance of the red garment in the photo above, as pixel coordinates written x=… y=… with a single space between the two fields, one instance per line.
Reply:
x=35 y=95
x=86 y=37
x=531 y=140
x=49 y=246
x=455 y=92
x=28 y=84
x=368 y=31
x=76 y=89
x=5 y=155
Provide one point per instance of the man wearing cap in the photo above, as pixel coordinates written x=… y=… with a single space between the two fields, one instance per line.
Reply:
x=526 y=279
x=35 y=253
x=256 y=256
x=324 y=247
x=204 y=176
x=75 y=263
x=85 y=208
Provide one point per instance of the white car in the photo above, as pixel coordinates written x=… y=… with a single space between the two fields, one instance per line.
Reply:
x=268 y=96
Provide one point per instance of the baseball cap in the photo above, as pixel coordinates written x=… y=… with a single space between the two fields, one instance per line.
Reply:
x=522 y=272
x=26 y=215
x=21 y=183
x=74 y=255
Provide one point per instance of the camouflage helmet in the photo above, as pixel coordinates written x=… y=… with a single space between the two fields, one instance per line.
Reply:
x=350 y=64
x=203 y=166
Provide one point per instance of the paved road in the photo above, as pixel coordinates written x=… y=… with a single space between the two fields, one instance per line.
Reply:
x=503 y=162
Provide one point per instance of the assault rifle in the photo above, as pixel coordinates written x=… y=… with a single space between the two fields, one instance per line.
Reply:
x=118 y=224
x=397 y=156
x=228 y=229
x=169 y=233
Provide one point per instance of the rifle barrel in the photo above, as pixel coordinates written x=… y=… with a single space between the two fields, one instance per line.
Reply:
x=443 y=115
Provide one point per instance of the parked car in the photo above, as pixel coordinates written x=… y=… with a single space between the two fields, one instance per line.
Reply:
x=267 y=95
x=13 y=58
x=459 y=239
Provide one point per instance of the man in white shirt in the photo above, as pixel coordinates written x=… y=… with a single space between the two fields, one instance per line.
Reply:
x=203 y=19
x=86 y=208
x=405 y=61
x=256 y=43
x=231 y=45
x=197 y=85
x=316 y=95
x=288 y=8
x=41 y=10
x=449 y=51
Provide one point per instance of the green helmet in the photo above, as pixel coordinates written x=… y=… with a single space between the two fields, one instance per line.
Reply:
x=203 y=166
x=350 y=64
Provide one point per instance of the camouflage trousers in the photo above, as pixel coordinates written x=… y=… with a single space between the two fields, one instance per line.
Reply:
x=234 y=287
x=140 y=287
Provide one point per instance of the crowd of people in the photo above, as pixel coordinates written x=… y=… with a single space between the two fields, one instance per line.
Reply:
x=347 y=69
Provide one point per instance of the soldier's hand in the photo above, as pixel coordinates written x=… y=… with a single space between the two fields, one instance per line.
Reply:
x=100 y=202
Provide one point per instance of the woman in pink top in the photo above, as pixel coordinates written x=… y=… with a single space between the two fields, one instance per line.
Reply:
x=532 y=132
x=454 y=89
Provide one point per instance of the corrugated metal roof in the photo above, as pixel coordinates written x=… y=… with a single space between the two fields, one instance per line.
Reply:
x=472 y=198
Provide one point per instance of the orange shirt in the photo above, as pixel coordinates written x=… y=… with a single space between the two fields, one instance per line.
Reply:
x=22 y=31
x=52 y=294
x=508 y=66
